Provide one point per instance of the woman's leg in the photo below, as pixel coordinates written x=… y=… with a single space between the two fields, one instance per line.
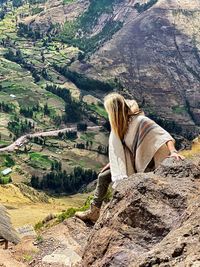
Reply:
x=104 y=179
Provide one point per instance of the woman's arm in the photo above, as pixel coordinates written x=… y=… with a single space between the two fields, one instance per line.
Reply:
x=105 y=168
x=172 y=150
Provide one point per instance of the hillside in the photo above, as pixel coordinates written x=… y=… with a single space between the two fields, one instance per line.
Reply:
x=150 y=48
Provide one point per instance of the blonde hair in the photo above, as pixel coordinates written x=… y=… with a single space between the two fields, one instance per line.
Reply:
x=119 y=109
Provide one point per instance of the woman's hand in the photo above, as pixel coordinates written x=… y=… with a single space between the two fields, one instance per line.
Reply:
x=175 y=155
x=173 y=152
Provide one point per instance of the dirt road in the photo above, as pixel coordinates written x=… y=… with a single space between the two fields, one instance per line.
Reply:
x=25 y=138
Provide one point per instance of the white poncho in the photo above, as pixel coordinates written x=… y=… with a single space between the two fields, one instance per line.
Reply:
x=144 y=140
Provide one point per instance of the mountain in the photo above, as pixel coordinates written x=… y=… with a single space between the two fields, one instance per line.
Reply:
x=148 y=49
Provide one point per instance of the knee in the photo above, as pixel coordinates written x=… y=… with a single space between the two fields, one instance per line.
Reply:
x=104 y=177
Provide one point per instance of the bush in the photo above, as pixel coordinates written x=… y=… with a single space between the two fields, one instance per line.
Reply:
x=142 y=7
x=71 y=211
x=5 y=180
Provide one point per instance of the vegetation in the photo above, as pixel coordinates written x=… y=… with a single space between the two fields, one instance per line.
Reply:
x=73 y=109
x=99 y=109
x=67 y=1
x=20 y=127
x=143 y=7
x=26 y=31
x=5 y=179
x=83 y=82
x=86 y=21
x=60 y=181
x=179 y=110
x=40 y=161
x=8 y=161
x=88 y=44
x=8 y=108
x=71 y=211
x=173 y=127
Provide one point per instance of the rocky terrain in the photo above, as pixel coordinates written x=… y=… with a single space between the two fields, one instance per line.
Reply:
x=152 y=220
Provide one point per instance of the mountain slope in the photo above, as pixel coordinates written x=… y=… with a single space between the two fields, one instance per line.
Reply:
x=156 y=57
x=150 y=48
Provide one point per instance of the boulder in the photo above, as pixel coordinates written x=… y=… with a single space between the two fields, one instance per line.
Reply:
x=152 y=220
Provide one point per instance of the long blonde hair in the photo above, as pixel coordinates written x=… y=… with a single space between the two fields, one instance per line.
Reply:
x=119 y=109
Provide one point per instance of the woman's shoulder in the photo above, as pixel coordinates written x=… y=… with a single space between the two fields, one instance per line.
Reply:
x=138 y=118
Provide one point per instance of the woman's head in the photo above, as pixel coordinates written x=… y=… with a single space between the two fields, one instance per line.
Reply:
x=118 y=109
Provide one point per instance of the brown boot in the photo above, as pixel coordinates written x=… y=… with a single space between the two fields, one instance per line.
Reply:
x=90 y=215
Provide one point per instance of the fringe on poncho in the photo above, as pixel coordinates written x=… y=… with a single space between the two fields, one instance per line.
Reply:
x=144 y=140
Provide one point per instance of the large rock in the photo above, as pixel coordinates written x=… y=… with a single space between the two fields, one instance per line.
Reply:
x=152 y=220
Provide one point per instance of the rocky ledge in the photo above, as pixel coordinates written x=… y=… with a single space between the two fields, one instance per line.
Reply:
x=152 y=220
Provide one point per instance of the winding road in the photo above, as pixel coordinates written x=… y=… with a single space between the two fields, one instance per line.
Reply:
x=25 y=138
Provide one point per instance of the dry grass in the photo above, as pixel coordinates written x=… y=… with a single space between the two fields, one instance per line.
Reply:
x=194 y=151
x=23 y=211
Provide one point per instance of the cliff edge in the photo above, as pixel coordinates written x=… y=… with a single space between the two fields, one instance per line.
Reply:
x=152 y=220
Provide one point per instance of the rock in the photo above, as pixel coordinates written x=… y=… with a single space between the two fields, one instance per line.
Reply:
x=178 y=169
x=67 y=257
x=152 y=220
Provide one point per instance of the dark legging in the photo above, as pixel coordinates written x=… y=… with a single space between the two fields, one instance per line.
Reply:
x=104 y=179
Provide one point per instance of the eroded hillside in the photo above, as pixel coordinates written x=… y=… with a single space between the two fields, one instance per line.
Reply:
x=151 y=48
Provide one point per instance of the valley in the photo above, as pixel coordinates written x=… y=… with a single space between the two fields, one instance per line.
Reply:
x=58 y=59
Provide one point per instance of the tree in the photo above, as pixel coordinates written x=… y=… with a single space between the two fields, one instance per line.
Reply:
x=46 y=109
x=82 y=126
x=17 y=3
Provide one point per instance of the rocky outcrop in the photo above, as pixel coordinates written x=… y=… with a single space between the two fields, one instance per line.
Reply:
x=152 y=220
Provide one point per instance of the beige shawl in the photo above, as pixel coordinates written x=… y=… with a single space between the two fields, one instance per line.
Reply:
x=144 y=140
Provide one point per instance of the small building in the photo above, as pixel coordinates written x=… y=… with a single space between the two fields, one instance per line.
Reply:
x=6 y=171
x=13 y=96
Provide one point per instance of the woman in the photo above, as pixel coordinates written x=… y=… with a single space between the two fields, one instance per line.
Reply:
x=136 y=144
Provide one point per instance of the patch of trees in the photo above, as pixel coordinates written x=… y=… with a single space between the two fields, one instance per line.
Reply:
x=60 y=181
x=33 y=2
x=2 y=13
x=20 y=127
x=5 y=179
x=82 y=127
x=73 y=109
x=39 y=140
x=26 y=31
x=6 y=107
x=29 y=111
x=76 y=32
x=17 y=56
x=56 y=166
x=101 y=149
x=3 y=1
x=142 y=7
x=69 y=135
x=83 y=82
x=61 y=92
x=9 y=162
x=17 y=3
